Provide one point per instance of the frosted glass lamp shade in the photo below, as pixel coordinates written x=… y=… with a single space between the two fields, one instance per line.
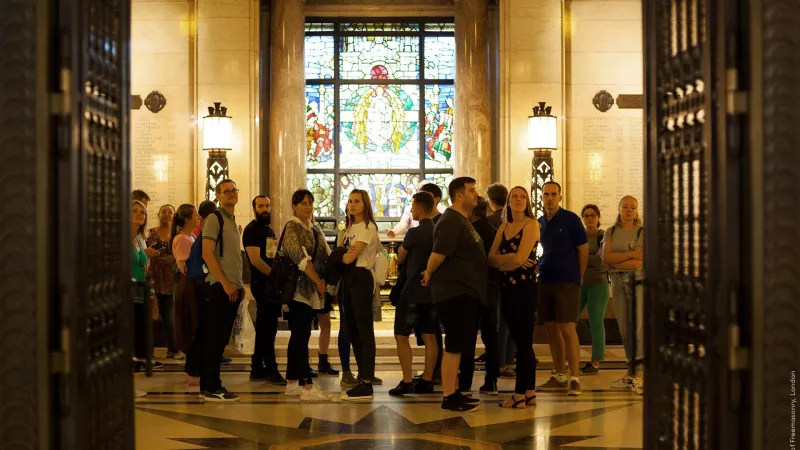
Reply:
x=217 y=129
x=542 y=129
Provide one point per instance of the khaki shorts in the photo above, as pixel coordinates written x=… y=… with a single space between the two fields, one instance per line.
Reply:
x=559 y=302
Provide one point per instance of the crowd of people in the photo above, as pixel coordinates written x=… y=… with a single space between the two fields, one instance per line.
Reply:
x=471 y=267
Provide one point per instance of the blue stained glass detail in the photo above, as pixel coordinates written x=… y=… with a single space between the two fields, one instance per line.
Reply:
x=440 y=58
x=439 y=125
x=319 y=126
x=379 y=57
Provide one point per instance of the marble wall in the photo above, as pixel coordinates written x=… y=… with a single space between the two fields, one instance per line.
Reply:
x=564 y=52
x=194 y=53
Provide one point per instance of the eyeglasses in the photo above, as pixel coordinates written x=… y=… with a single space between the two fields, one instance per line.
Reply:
x=589 y=216
x=230 y=192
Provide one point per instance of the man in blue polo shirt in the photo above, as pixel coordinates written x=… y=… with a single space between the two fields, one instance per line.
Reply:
x=561 y=267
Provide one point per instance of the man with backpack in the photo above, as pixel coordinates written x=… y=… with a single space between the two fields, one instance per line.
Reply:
x=223 y=261
x=196 y=275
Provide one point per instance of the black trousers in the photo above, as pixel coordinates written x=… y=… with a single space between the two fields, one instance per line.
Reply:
x=166 y=309
x=217 y=326
x=357 y=298
x=139 y=330
x=194 y=355
x=266 y=329
x=518 y=302
x=301 y=316
x=488 y=323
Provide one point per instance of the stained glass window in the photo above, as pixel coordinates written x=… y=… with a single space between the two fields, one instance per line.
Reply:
x=439 y=125
x=378 y=116
x=440 y=57
x=319 y=57
x=319 y=126
x=322 y=186
x=381 y=122
x=378 y=57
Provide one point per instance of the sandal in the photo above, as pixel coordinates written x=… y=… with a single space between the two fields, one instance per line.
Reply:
x=528 y=400
x=516 y=403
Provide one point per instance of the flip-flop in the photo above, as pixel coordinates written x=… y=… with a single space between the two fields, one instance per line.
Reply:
x=514 y=405
x=529 y=399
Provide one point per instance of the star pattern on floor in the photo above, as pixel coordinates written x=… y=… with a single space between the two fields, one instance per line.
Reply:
x=528 y=433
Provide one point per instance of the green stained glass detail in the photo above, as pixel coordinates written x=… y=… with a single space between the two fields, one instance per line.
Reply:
x=441 y=27
x=319 y=57
x=443 y=181
x=312 y=27
x=439 y=125
x=379 y=57
x=321 y=185
x=398 y=27
x=440 y=58
x=319 y=126
x=379 y=126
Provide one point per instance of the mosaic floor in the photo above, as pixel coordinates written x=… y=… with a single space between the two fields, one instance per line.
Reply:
x=173 y=417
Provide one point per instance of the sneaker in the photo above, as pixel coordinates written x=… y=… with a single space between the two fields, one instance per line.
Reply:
x=348 y=379
x=590 y=369
x=623 y=383
x=574 y=386
x=275 y=379
x=489 y=388
x=467 y=397
x=140 y=366
x=481 y=359
x=225 y=360
x=402 y=389
x=315 y=394
x=176 y=355
x=361 y=393
x=556 y=382
x=566 y=369
x=456 y=403
x=638 y=385
x=220 y=396
x=292 y=389
x=423 y=386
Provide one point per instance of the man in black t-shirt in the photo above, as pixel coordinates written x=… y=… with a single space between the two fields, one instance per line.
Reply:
x=260 y=246
x=457 y=273
x=414 y=307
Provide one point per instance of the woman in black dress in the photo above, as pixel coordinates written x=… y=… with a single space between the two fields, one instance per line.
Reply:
x=513 y=253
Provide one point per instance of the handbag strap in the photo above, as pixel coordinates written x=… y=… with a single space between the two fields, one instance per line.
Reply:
x=313 y=233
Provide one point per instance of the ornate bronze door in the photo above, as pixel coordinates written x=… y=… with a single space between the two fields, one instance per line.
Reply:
x=696 y=67
x=65 y=301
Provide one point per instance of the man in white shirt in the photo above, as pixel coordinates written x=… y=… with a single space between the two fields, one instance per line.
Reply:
x=406 y=221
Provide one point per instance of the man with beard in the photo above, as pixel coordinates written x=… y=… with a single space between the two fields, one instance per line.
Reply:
x=260 y=246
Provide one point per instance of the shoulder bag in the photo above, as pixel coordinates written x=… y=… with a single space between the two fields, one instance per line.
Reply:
x=282 y=281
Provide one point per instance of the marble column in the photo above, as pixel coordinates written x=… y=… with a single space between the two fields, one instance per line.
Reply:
x=287 y=129
x=473 y=141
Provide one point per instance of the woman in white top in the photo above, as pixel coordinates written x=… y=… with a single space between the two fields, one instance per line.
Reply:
x=358 y=285
x=305 y=244
x=623 y=255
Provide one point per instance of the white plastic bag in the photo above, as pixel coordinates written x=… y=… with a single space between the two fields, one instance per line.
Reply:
x=244 y=333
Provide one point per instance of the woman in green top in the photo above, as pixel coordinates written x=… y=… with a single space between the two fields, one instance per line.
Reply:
x=594 y=288
x=139 y=276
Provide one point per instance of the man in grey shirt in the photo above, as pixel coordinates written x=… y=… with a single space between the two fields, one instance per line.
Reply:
x=223 y=260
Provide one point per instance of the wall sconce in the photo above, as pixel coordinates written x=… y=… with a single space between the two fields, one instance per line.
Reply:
x=542 y=137
x=217 y=131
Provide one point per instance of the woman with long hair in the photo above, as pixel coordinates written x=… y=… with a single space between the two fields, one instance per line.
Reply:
x=305 y=244
x=623 y=255
x=358 y=286
x=594 y=288
x=141 y=289
x=164 y=276
x=513 y=253
x=180 y=245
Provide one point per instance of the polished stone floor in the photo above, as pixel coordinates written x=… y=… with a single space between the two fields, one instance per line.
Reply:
x=173 y=417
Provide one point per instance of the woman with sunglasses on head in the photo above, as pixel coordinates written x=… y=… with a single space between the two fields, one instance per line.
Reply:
x=513 y=253
x=304 y=243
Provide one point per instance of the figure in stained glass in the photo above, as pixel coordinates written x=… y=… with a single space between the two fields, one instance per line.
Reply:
x=319 y=124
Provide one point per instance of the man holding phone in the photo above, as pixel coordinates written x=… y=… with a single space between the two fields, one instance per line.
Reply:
x=226 y=289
